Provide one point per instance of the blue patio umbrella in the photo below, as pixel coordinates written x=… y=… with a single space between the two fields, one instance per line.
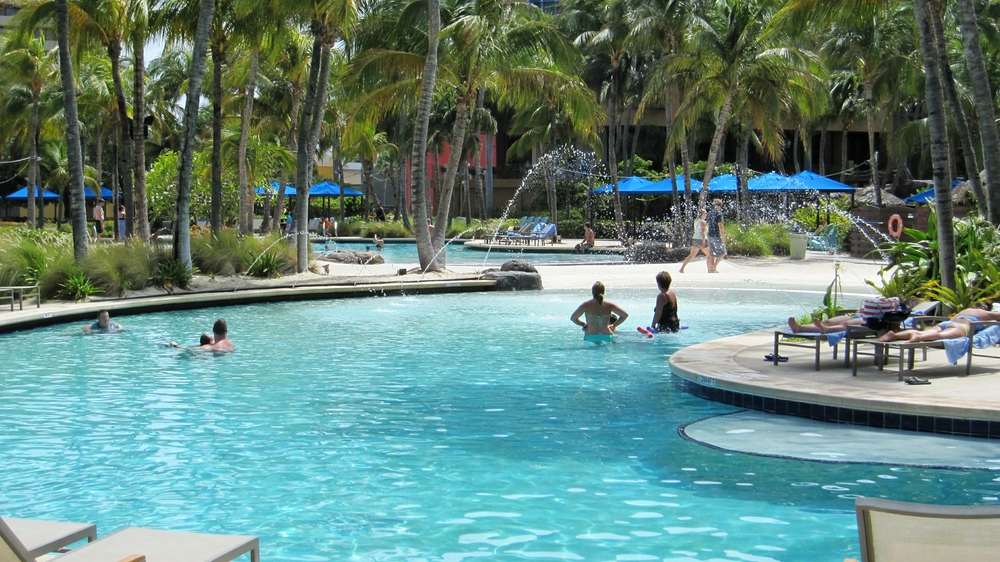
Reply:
x=666 y=187
x=22 y=194
x=328 y=189
x=771 y=181
x=726 y=183
x=105 y=193
x=626 y=186
x=273 y=190
x=927 y=195
x=814 y=182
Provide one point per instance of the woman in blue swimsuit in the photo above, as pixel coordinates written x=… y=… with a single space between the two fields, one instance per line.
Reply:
x=597 y=311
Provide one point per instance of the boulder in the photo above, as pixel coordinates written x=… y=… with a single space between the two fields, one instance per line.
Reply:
x=353 y=256
x=514 y=280
x=651 y=251
x=518 y=265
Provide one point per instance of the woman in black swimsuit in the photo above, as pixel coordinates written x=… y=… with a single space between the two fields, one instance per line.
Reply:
x=665 y=315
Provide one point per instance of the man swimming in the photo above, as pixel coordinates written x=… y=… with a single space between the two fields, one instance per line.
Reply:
x=222 y=344
x=104 y=325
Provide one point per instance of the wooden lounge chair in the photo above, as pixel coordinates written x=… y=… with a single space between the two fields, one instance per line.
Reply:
x=892 y=531
x=42 y=537
x=135 y=544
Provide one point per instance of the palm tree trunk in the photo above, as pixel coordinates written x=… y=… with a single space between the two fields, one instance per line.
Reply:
x=939 y=143
x=686 y=167
x=872 y=158
x=74 y=152
x=451 y=172
x=124 y=142
x=314 y=129
x=612 y=156
x=843 y=153
x=418 y=160
x=218 y=60
x=292 y=145
x=338 y=165
x=743 y=201
x=795 y=151
x=141 y=214
x=182 y=211
x=713 y=151
x=99 y=153
x=303 y=154
x=33 y=220
x=983 y=98
x=958 y=114
x=822 y=151
x=246 y=191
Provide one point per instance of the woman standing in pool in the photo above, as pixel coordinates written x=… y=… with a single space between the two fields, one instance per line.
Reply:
x=597 y=311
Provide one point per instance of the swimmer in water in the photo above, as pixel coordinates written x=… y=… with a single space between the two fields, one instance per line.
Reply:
x=598 y=326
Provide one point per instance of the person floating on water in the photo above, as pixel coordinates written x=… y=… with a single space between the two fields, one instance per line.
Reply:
x=206 y=340
x=599 y=326
x=104 y=325
x=665 y=314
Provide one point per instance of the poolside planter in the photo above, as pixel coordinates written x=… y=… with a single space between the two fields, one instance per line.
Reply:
x=797 y=245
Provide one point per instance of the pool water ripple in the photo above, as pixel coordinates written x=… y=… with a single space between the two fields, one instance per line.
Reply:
x=436 y=428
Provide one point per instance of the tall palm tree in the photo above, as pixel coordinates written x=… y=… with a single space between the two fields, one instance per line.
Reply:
x=74 y=150
x=983 y=97
x=611 y=43
x=181 y=231
x=28 y=64
x=418 y=159
x=728 y=48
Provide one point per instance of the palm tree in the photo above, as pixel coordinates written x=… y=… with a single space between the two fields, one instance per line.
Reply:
x=611 y=43
x=74 y=151
x=418 y=159
x=877 y=46
x=728 y=48
x=983 y=97
x=28 y=64
x=181 y=232
x=138 y=14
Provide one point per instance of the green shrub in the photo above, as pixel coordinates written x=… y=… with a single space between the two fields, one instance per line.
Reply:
x=756 y=240
x=117 y=268
x=221 y=254
x=77 y=287
x=268 y=264
x=172 y=273
x=279 y=253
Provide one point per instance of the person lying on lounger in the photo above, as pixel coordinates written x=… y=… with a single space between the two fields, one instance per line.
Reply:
x=835 y=324
x=959 y=326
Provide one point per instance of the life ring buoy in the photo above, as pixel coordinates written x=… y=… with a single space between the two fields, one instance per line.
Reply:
x=896 y=226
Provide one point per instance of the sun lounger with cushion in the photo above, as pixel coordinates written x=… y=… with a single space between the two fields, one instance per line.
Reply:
x=954 y=348
x=153 y=546
x=41 y=537
x=892 y=531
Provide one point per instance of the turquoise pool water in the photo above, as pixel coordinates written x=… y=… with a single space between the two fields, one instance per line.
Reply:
x=444 y=427
x=405 y=254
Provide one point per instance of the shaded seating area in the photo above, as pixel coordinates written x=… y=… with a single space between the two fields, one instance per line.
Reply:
x=893 y=531
x=132 y=544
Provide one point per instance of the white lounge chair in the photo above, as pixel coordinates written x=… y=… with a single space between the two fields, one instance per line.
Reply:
x=135 y=544
x=892 y=531
x=42 y=537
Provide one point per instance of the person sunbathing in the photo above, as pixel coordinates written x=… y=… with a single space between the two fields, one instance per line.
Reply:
x=835 y=324
x=960 y=326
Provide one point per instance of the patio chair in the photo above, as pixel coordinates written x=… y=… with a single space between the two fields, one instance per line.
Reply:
x=828 y=241
x=921 y=313
x=893 y=531
x=135 y=544
x=42 y=537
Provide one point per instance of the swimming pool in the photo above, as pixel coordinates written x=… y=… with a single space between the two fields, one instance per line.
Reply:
x=405 y=254
x=443 y=427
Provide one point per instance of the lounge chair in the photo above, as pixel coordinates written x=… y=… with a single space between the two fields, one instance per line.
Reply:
x=955 y=348
x=135 y=544
x=828 y=241
x=42 y=537
x=892 y=531
x=548 y=232
x=920 y=314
